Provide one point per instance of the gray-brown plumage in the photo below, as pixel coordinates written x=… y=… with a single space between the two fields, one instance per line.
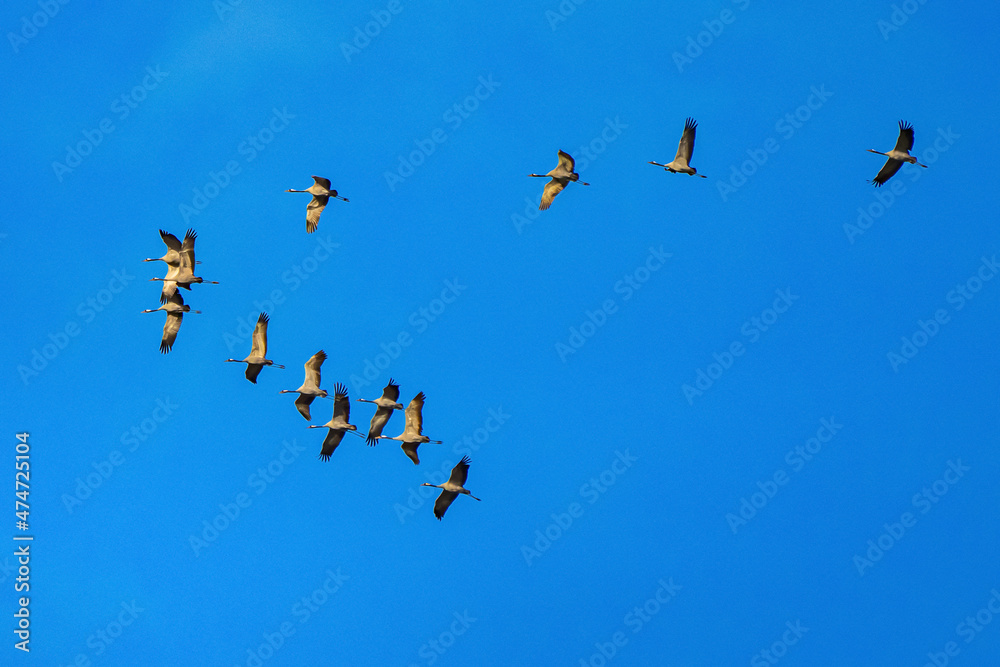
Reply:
x=321 y=192
x=310 y=386
x=338 y=423
x=175 y=308
x=182 y=273
x=412 y=435
x=897 y=156
x=256 y=360
x=561 y=176
x=682 y=161
x=454 y=486
x=386 y=403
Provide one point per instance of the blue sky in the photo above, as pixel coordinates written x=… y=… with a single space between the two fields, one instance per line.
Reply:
x=746 y=419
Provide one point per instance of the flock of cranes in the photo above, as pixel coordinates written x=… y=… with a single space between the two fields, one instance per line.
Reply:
x=181 y=255
x=181 y=263
x=563 y=173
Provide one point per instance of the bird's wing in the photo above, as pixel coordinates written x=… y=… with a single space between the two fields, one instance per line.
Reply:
x=170 y=329
x=302 y=403
x=905 y=141
x=312 y=368
x=686 y=146
x=552 y=188
x=175 y=299
x=414 y=415
x=341 y=404
x=187 y=254
x=253 y=370
x=379 y=420
x=325 y=182
x=410 y=448
x=333 y=438
x=313 y=212
x=168 y=291
x=171 y=241
x=460 y=472
x=890 y=167
x=259 y=346
x=443 y=502
x=391 y=391
x=566 y=162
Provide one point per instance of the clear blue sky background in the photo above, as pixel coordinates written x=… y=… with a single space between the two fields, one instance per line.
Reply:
x=668 y=524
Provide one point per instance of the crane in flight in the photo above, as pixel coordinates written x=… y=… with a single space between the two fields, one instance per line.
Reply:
x=310 y=386
x=454 y=486
x=256 y=360
x=561 y=176
x=897 y=156
x=321 y=192
x=386 y=403
x=173 y=256
x=682 y=161
x=338 y=424
x=175 y=308
x=182 y=274
x=412 y=435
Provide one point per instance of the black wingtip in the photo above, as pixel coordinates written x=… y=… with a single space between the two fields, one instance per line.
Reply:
x=324 y=457
x=339 y=390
